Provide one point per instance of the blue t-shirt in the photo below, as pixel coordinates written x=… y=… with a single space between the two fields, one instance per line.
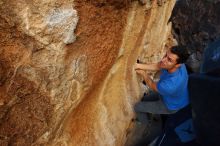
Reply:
x=173 y=88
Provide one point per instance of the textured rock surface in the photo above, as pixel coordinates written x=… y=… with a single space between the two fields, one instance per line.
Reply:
x=144 y=37
x=35 y=85
x=82 y=93
x=196 y=23
x=51 y=22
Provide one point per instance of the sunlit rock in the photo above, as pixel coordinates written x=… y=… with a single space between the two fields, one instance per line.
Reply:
x=80 y=94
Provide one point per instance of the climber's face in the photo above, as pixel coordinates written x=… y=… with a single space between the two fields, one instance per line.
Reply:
x=169 y=61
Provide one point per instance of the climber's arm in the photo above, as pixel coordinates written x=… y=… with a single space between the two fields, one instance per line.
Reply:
x=150 y=67
x=147 y=79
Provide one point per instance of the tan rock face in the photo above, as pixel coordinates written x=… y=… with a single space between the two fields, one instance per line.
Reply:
x=77 y=94
x=51 y=22
x=144 y=36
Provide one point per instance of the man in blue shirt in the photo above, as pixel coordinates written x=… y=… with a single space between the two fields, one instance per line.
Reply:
x=170 y=92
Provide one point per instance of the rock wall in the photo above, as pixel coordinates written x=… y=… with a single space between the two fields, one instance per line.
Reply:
x=196 y=23
x=66 y=68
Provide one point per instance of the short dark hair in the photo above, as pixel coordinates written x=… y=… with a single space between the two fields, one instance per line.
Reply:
x=181 y=52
